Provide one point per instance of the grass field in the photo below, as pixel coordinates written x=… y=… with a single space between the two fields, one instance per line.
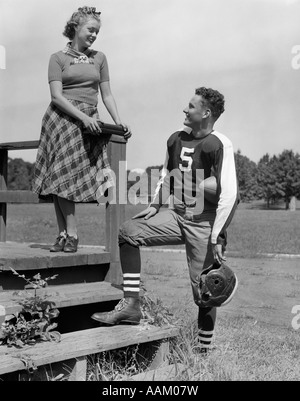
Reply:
x=254 y=338
x=253 y=230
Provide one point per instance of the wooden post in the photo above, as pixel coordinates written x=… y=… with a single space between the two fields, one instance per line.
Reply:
x=115 y=211
x=79 y=370
x=161 y=355
x=3 y=187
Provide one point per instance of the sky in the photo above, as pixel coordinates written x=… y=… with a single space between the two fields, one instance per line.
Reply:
x=158 y=52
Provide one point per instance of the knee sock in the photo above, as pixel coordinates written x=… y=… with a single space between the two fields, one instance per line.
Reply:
x=131 y=267
x=206 y=325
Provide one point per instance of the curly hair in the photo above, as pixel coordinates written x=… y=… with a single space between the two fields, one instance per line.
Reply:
x=214 y=100
x=76 y=19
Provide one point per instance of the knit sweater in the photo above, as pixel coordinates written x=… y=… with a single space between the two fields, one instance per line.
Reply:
x=80 y=78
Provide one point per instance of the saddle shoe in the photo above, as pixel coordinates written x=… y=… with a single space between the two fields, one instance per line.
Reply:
x=59 y=244
x=71 y=244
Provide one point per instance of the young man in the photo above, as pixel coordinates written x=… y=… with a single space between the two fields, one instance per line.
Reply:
x=197 y=150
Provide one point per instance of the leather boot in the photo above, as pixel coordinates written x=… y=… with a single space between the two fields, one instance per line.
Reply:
x=127 y=311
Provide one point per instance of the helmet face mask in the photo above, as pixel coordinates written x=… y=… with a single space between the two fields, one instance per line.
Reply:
x=217 y=286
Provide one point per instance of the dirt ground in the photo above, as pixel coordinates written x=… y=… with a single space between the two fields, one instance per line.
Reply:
x=268 y=287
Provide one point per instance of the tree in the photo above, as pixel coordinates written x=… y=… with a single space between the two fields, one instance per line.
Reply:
x=19 y=174
x=279 y=177
x=266 y=178
x=288 y=175
x=247 y=177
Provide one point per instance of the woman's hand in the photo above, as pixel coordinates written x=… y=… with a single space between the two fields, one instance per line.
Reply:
x=91 y=125
x=127 y=131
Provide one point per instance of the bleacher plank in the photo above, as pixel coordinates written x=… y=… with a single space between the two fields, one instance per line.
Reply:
x=81 y=343
x=32 y=256
x=62 y=295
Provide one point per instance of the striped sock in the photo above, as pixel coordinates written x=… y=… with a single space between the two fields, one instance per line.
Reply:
x=131 y=285
x=206 y=325
x=131 y=267
x=205 y=338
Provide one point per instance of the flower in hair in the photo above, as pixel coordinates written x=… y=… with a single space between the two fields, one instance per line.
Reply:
x=89 y=10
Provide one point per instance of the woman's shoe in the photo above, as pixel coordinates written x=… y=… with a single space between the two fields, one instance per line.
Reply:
x=71 y=244
x=59 y=244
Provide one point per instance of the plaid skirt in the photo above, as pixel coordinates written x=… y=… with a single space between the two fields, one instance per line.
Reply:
x=70 y=164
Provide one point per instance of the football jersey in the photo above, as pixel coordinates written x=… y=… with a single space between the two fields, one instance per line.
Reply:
x=188 y=161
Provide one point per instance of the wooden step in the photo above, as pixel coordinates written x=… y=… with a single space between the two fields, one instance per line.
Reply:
x=33 y=256
x=82 y=343
x=62 y=296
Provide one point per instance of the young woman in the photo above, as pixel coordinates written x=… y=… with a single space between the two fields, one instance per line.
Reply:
x=71 y=158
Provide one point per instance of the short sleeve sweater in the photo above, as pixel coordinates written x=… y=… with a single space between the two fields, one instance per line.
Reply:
x=80 y=78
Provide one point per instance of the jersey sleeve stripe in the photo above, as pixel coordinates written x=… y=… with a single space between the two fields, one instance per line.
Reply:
x=228 y=184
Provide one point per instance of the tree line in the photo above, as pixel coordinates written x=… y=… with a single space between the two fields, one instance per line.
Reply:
x=273 y=178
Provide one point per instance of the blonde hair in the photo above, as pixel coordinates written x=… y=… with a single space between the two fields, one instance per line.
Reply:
x=76 y=19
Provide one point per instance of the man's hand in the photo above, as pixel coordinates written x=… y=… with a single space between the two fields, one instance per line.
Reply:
x=218 y=253
x=147 y=213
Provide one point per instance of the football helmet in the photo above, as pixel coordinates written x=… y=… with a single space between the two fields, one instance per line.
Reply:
x=217 y=286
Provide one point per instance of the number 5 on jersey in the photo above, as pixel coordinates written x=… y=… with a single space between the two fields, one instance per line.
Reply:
x=186 y=158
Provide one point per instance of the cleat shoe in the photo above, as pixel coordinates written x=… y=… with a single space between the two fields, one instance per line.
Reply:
x=59 y=244
x=202 y=352
x=71 y=244
x=127 y=311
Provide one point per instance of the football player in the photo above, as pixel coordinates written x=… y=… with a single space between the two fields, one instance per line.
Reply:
x=197 y=150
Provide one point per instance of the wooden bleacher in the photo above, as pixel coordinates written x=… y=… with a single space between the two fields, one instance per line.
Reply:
x=88 y=281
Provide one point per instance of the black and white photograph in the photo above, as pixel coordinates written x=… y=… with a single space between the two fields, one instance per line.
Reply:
x=149 y=193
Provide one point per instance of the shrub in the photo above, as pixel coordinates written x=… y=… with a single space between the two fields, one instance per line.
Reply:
x=34 y=322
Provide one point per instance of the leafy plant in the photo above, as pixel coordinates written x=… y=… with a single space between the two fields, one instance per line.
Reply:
x=34 y=322
x=154 y=312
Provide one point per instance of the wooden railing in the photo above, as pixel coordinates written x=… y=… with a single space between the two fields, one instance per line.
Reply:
x=115 y=212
